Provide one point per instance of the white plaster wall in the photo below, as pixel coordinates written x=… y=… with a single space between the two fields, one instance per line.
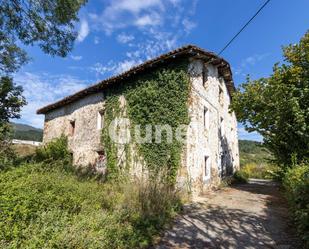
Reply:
x=85 y=142
x=201 y=141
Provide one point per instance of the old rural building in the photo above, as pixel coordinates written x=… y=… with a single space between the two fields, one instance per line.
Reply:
x=211 y=148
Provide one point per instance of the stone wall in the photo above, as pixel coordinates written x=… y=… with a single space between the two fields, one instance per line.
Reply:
x=85 y=140
x=212 y=145
x=211 y=149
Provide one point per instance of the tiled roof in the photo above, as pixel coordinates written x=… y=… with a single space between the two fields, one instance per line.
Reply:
x=182 y=52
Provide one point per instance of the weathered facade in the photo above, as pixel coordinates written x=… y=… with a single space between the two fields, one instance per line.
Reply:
x=211 y=148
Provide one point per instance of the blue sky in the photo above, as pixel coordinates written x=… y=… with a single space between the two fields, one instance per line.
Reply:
x=115 y=35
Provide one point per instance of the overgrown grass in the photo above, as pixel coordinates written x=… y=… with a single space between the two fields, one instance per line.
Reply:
x=23 y=150
x=48 y=207
x=45 y=204
x=260 y=171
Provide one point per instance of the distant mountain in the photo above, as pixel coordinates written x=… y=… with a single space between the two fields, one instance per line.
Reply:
x=27 y=132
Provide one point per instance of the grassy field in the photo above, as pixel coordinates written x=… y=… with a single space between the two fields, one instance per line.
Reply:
x=23 y=150
x=47 y=203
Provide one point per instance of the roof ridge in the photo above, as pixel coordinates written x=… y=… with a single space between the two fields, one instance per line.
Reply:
x=193 y=49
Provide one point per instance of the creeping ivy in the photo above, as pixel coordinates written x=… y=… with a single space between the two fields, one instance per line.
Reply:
x=159 y=97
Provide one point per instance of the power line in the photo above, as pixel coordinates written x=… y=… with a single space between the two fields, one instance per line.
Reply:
x=238 y=33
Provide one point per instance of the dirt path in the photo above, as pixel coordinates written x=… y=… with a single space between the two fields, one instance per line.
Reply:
x=252 y=215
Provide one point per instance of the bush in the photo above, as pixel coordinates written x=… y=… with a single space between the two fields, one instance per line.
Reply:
x=296 y=182
x=240 y=177
x=55 y=150
x=45 y=205
x=7 y=154
x=261 y=171
x=48 y=207
x=7 y=157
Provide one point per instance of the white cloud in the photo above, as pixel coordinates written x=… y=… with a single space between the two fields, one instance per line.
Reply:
x=153 y=19
x=83 y=30
x=158 y=30
x=141 y=51
x=133 y=6
x=101 y=69
x=76 y=57
x=124 y=13
x=124 y=38
x=126 y=65
x=252 y=60
x=43 y=89
x=158 y=43
x=112 y=68
x=188 y=25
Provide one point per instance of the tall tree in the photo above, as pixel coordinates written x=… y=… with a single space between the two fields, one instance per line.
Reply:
x=11 y=100
x=46 y=23
x=277 y=107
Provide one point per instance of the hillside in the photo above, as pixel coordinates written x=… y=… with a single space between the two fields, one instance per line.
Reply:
x=253 y=152
x=27 y=132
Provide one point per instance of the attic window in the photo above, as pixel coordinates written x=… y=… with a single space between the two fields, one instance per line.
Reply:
x=72 y=127
x=205 y=76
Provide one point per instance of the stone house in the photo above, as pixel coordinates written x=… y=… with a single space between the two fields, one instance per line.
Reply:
x=211 y=147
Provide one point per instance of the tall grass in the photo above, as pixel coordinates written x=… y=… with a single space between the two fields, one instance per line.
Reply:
x=44 y=204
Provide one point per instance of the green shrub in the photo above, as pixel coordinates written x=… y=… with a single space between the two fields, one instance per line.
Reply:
x=56 y=149
x=240 y=177
x=296 y=182
x=7 y=157
x=7 y=154
x=48 y=207
x=261 y=171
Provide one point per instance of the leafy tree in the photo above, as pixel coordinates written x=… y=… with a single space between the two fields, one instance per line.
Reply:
x=277 y=107
x=46 y=23
x=11 y=100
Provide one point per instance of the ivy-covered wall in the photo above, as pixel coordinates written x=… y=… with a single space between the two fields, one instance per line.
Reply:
x=159 y=97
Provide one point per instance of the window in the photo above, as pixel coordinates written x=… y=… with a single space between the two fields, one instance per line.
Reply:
x=72 y=127
x=100 y=162
x=206 y=118
x=205 y=76
x=221 y=127
x=206 y=168
x=100 y=120
x=220 y=96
